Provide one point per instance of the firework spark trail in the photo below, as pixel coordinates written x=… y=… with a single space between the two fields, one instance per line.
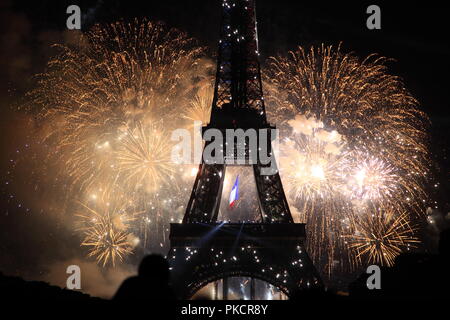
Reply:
x=379 y=237
x=90 y=94
x=106 y=233
x=380 y=160
x=344 y=93
x=143 y=158
x=312 y=160
x=200 y=107
x=311 y=164
x=369 y=178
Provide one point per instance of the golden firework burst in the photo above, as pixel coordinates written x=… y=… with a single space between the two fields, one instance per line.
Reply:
x=380 y=236
x=106 y=233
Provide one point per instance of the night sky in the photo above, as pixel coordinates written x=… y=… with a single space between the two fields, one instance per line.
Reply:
x=415 y=35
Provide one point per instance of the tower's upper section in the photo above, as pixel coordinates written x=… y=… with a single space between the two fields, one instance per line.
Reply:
x=238 y=97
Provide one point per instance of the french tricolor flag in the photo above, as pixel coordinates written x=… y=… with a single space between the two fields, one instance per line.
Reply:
x=234 y=195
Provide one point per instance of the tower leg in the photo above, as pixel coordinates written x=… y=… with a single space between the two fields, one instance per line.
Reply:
x=272 y=200
x=225 y=288
x=203 y=206
x=252 y=288
x=216 y=290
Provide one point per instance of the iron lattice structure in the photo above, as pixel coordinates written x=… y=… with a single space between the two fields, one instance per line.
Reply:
x=203 y=250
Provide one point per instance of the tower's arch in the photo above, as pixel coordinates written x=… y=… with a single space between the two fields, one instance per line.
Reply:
x=202 y=253
x=225 y=287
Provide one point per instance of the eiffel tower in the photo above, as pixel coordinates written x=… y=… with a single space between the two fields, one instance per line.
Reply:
x=204 y=250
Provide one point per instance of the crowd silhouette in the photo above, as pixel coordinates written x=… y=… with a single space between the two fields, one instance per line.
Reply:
x=151 y=283
x=414 y=276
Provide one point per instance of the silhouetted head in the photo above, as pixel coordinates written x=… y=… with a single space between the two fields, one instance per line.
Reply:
x=154 y=267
